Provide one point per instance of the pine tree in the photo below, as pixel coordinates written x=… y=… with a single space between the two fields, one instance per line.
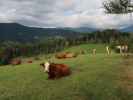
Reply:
x=118 y=6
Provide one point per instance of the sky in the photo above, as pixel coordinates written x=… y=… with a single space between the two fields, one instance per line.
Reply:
x=61 y=13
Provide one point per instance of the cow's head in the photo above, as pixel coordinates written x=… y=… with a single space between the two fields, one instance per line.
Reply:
x=46 y=67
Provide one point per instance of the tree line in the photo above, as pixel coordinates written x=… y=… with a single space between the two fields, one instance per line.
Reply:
x=12 y=49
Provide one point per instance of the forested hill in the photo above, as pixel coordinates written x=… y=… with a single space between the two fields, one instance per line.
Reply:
x=21 y=33
x=15 y=31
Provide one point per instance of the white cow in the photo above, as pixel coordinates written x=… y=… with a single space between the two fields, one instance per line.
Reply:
x=94 y=51
x=123 y=49
x=108 y=50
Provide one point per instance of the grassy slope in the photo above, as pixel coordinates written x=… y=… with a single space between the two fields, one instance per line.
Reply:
x=93 y=78
x=89 y=48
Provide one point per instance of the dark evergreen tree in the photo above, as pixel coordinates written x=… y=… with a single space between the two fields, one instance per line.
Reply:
x=118 y=6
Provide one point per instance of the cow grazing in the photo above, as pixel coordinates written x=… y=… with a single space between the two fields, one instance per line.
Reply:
x=108 y=50
x=123 y=49
x=94 y=51
x=55 y=70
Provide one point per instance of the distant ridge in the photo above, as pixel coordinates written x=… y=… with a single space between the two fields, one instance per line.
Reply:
x=18 y=32
x=82 y=29
x=128 y=29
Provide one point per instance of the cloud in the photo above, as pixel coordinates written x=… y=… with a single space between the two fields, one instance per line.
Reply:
x=60 y=13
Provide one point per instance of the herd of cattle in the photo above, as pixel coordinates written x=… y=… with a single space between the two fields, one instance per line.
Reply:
x=60 y=70
x=55 y=71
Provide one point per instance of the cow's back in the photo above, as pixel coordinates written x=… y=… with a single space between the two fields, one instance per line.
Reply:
x=60 y=69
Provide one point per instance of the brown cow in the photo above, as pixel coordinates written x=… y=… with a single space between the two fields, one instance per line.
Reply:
x=56 y=70
x=70 y=55
x=30 y=61
x=15 y=61
x=60 y=55
x=65 y=55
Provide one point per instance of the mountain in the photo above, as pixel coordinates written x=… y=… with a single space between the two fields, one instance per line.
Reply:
x=127 y=29
x=83 y=29
x=18 y=32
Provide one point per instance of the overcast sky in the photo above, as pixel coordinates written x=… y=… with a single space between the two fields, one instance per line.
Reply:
x=60 y=13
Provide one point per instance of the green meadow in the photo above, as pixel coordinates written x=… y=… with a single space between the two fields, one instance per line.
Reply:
x=94 y=77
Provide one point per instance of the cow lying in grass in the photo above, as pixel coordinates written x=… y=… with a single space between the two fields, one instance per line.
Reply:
x=60 y=56
x=55 y=70
x=15 y=62
x=30 y=61
x=65 y=55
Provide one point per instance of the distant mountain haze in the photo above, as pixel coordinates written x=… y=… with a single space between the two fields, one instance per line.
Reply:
x=18 y=32
x=127 y=29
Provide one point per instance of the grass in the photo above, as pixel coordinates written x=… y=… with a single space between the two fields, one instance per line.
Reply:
x=94 y=77
x=88 y=48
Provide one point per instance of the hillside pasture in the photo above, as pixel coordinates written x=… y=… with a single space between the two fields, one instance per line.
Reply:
x=98 y=77
x=88 y=48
